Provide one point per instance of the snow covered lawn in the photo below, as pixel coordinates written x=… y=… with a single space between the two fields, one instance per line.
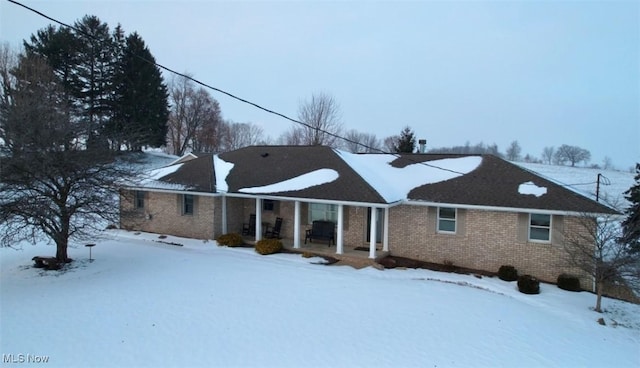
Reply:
x=145 y=303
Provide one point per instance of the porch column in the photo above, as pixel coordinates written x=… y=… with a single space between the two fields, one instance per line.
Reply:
x=339 y=245
x=385 y=232
x=372 y=234
x=224 y=214
x=258 y=219
x=296 y=225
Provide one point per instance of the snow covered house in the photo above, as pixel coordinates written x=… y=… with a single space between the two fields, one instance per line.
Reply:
x=476 y=211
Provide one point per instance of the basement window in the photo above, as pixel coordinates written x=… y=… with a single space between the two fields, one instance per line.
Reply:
x=539 y=227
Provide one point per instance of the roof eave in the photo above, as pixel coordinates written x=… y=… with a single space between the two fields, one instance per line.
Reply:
x=508 y=209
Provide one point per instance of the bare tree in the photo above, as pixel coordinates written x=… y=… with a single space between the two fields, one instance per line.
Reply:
x=513 y=151
x=8 y=61
x=357 y=142
x=594 y=248
x=207 y=136
x=572 y=154
x=193 y=112
x=547 y=155
x=49 y=187
x=238 y=135
x=607 y=163
x=390 y=143
x=322 y=118
x=292 y=137
x=479 y=148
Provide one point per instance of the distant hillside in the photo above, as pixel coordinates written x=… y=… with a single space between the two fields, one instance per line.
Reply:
x=583 y=180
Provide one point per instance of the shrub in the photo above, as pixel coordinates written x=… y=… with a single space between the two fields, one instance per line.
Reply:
x=308 y=254
x=569 y=282
x=528 y=284
x=507 y=273
x=268 y=246
x=230 y=240
x=448 y=266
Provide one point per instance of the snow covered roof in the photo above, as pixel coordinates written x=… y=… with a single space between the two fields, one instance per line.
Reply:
x=323 y=173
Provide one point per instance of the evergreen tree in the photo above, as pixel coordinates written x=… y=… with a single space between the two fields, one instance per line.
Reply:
x=406 y=142
x=114 y=94
x=95 y=68
x=141 y=98
x=631 y=225
x=58 y=47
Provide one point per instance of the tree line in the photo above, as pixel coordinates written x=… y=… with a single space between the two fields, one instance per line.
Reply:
x=100 y=86
x=104 y=88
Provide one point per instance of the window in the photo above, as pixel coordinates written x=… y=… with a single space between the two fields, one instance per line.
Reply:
x=446 y=220
x=139 y=200
x=539 y=227
x=268 y=205
x=322 y=211
x=187 y=204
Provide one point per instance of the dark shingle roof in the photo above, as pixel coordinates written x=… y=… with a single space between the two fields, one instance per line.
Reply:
x=196 y=174
x=496 y=183
x=257 y=166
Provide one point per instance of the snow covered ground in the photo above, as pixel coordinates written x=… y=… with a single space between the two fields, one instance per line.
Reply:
x=613 y=183
x=144 y=302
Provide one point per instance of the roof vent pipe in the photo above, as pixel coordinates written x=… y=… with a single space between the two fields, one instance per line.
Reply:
x=423 y=145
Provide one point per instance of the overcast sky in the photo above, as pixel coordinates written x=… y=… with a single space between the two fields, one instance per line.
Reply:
x=543 y=73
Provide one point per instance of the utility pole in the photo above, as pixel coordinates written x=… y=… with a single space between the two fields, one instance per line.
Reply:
x=604 y=180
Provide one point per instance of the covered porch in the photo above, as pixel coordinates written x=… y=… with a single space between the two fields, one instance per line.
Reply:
x=368 y=231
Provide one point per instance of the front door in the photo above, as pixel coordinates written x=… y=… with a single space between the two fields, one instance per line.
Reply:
x=379 y=222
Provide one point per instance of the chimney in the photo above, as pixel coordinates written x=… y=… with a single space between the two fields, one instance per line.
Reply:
x=423 y=145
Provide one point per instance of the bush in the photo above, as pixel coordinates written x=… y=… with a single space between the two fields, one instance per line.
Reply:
x=508 y=273
x=230 y=240
x=528 y=284
x=568 y=282
x=268 y=246
x=308 y=254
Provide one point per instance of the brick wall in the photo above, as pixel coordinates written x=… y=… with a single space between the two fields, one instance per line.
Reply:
x=162 y=214
x=484 y=240
x=487 y=240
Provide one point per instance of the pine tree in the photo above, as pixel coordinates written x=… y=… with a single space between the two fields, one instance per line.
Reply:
x=631 y=225
x=115 y=95
x=95 y=70
x=406 y=142
x=141 y=98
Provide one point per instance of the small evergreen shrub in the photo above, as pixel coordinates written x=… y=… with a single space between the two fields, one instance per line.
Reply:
x=569 y=282
x=268 y=246
x=528 y=284
x=507 y=273
x=230 y=240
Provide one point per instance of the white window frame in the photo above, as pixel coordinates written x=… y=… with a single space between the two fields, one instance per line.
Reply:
x=454 y=220
x=531 y=226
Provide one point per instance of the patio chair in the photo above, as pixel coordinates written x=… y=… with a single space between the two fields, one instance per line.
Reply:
x=250 y=227
x=274 y=231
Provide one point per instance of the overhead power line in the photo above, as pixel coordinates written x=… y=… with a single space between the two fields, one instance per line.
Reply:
x=172 y=71
x=203 y=84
